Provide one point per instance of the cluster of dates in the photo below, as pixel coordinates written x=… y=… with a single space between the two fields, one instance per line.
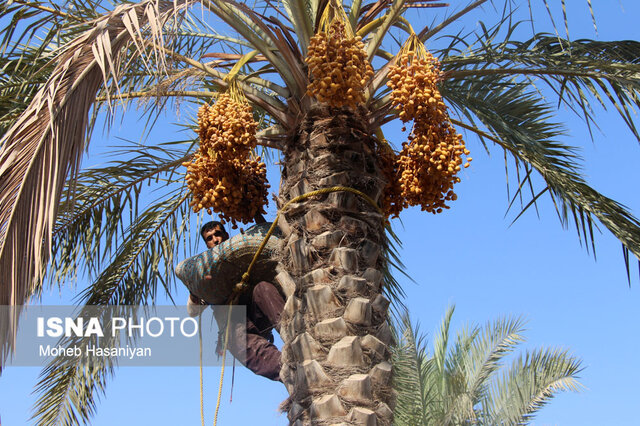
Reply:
x=425 y=171
x=224 y=176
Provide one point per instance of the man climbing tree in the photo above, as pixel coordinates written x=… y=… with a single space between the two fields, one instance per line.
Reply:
x=251 y=342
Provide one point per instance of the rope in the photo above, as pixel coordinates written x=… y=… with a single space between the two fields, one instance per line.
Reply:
x=201 y=381
x=242 y=285
x=233 y=377
x=224 y=355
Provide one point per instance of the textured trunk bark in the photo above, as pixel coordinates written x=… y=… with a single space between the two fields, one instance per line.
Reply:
x=335 y=331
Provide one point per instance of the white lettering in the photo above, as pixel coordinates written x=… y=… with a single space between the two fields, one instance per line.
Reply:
x=172 y=320
x=195 y=327
x=159 y=321
x=117 y=323
x=40 y=327
x=138 y=326
x=73 y=326
x=59 y=351
x=54 y=325
x=45 y=351
x=94 y=328
x=128 y=352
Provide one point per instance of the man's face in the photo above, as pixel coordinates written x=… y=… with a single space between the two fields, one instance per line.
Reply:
x=214 y=236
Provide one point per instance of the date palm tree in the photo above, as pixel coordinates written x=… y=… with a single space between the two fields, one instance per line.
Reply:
x=65 y=62
x=466 y=381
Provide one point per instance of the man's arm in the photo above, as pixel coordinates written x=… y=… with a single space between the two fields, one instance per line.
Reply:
x=258 y=218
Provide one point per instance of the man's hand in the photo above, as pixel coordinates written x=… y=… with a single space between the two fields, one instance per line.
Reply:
x=195 y=305
x=258 y=218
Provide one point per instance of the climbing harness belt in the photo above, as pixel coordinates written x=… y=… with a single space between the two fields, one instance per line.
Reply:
x=243 y=284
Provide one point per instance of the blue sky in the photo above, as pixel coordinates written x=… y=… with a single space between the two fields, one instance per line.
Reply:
x=469 y=256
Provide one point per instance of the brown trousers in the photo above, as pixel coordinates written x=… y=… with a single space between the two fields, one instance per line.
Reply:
x=264 y=308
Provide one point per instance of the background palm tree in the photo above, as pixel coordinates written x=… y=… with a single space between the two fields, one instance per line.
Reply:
x=155 y=51
x=464 y=380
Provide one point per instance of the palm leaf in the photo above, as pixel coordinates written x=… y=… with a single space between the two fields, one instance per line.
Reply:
x=531 y=382
x=70 y=389
x=518 y=121
x=488 y=349
x=412 y=373
x=472 y=386
x=390 y=285
x=95 y=209
x=249 y=26
x=608 y=71
x=144 y=258
x=440 y=349
x=300 y=13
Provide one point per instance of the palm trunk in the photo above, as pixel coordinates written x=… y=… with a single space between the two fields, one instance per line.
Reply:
x=336 y=336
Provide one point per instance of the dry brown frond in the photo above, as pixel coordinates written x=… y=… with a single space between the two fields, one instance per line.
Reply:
x=45 y=145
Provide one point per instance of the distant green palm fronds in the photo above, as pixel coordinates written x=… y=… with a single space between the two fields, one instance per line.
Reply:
x=467 y=381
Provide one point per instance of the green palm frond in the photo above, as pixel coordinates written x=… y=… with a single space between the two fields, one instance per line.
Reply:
x=467 y=383
x=193 y=77
x=491 y=81
x=251 y=26
x=91 y=218
x=518 y=121
x=606 y=70
x=69 y=390
x=145 y=256
x=93 y=212
x=300 y=13
x=19 y=82
x=28 y=48
x=393 y=13
x=440 y=350
x=454 y=399
x=390 y=285
x=495 y=341
x=37 y=24
x=411 y=375
x=429 y=31
x=533 y=379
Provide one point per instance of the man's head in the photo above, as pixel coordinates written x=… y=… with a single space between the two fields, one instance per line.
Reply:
x=213 y=233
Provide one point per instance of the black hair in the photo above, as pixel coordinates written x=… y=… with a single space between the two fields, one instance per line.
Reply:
x=211 y=225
